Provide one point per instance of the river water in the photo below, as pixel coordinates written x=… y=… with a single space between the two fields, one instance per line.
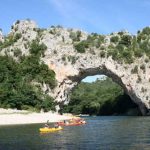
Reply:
x=100 y=133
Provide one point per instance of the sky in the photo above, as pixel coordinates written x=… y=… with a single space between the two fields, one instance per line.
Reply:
x=100 y=16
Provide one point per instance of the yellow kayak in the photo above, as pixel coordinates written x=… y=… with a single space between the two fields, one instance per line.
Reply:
x=46 y=129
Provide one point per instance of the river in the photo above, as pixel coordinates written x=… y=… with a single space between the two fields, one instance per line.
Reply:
x=100 y=133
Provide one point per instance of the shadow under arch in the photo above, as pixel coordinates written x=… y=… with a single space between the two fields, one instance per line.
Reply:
x=101 y=97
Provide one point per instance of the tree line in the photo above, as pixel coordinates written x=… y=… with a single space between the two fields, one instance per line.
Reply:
x=102 y=97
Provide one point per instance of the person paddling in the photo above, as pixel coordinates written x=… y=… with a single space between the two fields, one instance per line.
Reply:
x=47 y=124
x=56 y=125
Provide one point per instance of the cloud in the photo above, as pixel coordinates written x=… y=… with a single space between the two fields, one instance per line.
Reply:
x=76 y=12
x=66 y=8
x=100 y=16
x=61 y=7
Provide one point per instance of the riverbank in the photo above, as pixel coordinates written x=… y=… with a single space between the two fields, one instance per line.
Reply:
x=12 y=117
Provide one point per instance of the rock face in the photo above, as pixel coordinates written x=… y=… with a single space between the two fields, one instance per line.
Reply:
x=71 y=67
x=1 y=36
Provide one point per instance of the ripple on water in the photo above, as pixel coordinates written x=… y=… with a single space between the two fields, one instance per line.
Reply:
x=106 y=133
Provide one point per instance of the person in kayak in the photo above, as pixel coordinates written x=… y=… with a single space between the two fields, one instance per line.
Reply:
x=47 y=124
x=56 y=125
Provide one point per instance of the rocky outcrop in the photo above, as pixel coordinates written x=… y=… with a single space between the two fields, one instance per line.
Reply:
x=71 y=67
x=1 y=36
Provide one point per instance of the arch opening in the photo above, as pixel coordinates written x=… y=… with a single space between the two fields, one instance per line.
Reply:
x=100 y=97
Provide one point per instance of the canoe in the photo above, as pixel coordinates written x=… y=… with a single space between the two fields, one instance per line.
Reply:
x=71 y=124
x=46 y=129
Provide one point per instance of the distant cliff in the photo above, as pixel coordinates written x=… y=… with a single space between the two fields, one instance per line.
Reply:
x=73 y=54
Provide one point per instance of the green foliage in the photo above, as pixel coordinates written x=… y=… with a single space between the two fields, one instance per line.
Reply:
x=138 y=53
x=72 y=59
x=81 y=46
x=114 y=39
x=143 y=42
x=37 y=70
x=102 y=54
x=46 y=75
x=53 y=30
x=95 y=40
x=48 y=104
x=75 y=36
x=16 y=90
x=146 y=31
x=121 y=33
x=146 y=60
x=16 y=80
x=63 y=58
x=123 y=48
x=143 y=67
x=125 y=40
x=10 y=40
x=103 y=97
x=135 y=70
x=17 y=52
x=92 y=40
x=39 y=31
x=17 y=22
x=36 y=48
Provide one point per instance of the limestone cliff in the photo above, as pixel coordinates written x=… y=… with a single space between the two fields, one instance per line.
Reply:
x=71 y=65
x=1 y=36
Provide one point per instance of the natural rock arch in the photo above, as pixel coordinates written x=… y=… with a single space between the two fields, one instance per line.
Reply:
x=106 y=67
x=71 y=65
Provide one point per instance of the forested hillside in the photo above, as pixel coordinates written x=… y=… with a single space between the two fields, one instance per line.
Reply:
x=21 y=80
x=102 y=97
